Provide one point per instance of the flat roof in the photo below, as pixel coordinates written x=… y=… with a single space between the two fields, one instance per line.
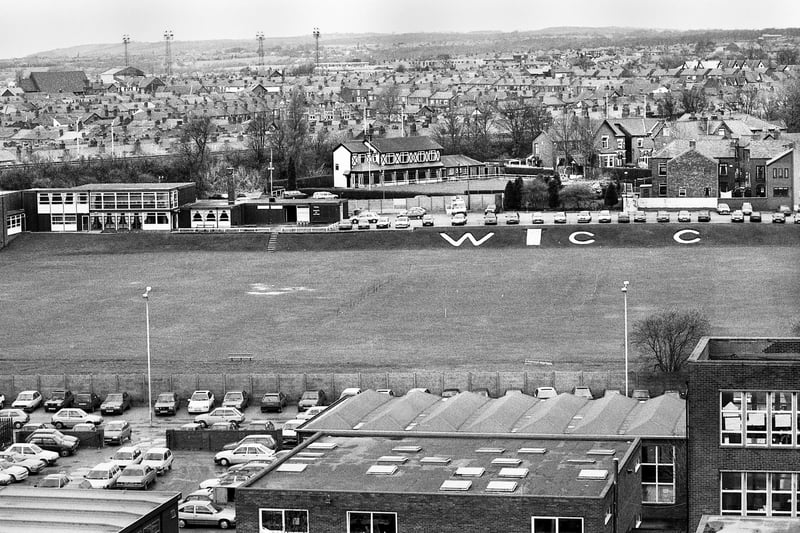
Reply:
x=740 y=524
x=743 y=349
x=65 y=510
x=579 y=468
x=160 y=186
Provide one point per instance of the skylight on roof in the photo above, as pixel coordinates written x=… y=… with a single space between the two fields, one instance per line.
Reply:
x=532 y=450
x=435 y=460
x=358 y=426
x=456 y=484
x=592 y=474
x=490 y=450
x=582 y=461
x=513 y=472
x=407 y=449
x=308 y=455
x=322 y=446
x=382 y=470
x=469 y=471
x=501 y=486
x=508 y=461
x=292 y=467
x=601 y=451
x=392 y=459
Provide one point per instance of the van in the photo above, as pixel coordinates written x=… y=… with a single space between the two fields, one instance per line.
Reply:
x=324 y=195
x=457 y=205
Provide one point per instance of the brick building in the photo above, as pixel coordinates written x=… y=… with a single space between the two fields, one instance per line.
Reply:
x=744 y=423
x=688 y=173
x=389 y=482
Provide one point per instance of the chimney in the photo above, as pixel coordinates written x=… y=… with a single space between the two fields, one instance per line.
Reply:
x=692 y=144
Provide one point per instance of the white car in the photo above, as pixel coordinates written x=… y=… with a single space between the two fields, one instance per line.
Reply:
x=604 y=217
x=402 y=222
x=32 y=451
x=201 y=401
x=28 y=401
x=71 y=416
x=383 y=223
x=159 y=459
x=243 y=454
x=311 y=412
x=201 y=513
x=543 y=393
x=102 y=476
x=18 y=473
x=288 y=432
x=324 y=195
x=220 y=414
x=459 y=219
x=32 y=465
x=350 y=391
x=127 y=455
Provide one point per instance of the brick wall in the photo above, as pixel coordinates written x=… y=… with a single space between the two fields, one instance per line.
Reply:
x=691 y=170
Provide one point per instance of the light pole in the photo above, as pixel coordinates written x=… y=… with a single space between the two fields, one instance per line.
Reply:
x=625 y=319
x=146 y=297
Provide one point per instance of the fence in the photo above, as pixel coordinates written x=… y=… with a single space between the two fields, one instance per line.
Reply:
x=213 y=440
x=293 y=385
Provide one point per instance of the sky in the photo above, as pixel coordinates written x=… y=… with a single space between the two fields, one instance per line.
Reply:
x=28 y=27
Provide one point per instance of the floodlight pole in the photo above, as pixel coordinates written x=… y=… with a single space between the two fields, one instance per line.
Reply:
x=146 y=297
x=625 y=319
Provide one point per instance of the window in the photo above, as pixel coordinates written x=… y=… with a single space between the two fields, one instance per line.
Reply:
x=780 y=192
x=640 y=143
x=658 y=474
x=604 y=141
x=662 y=169
x=760 y=418
x=758 y=493
x=336 y=166
x=682 y=191
x=786 y=173
x=284 y=520
x=662 y=189
x=760 y=172
x=44 y=198
x=557 y=525
x=706 y=191
x=723 y=169
x=369 y=522
x=620 y=144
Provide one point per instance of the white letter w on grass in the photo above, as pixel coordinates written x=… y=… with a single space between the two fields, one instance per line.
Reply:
x=465 y=237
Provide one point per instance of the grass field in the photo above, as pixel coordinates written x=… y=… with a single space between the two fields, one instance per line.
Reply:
x=368 y=310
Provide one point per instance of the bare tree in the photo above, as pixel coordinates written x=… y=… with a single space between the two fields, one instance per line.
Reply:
x=290 y=138
x=387 y=104
x=449 y=131
x=258 y=132
x=193 y=148
x=694 y=100
x=670 y=336
x=522 y=121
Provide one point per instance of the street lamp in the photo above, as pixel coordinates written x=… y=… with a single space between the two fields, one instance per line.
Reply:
x=625 y=319
x=146 y=297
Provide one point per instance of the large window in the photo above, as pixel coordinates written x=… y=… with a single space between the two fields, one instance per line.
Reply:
x=759 y=418
x=658 y=474
x=552 y=524
x=283 y=521
x=759 y=493
x=780 y=192
x=662 y=169
x=369 y=522
x=723 y=169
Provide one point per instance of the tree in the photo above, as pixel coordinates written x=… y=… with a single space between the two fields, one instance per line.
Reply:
x=534 y=194
x=578 y=195
x=522 y=122
x=290 y=139
x=509 y=200
x=694 y=100
x=788 y=56
x=611 y=197
x=193 y=149
x=387 y=104
x=669 y=336
x=554 y=191
x=449 y=132
x=258 y=131
x=667 y=106
x=789 y=105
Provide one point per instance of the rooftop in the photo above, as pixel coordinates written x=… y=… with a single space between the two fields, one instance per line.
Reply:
x=572 y=467
x=160 y=186
x=757 y=349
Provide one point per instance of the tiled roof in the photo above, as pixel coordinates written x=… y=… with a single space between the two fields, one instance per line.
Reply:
x=59 y=82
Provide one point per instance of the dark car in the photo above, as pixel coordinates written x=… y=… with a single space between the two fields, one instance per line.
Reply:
x=639 y=216
x=755 y=216
x=167 y=403
x=311 y=398
x=54 y=443
x=239 y=399
x=273 y=401
x=623 y=217
x=59 y=399
x=116 y=403
x=704 y=216
x=88 y=401
x=416 y=212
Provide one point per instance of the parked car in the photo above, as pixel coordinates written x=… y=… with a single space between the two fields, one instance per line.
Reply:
x=239 y=399
x=416 y=212
x=797 y=218
x=623 y=217
x=737 y=216
x=28 y=401
x=350 y=391
x=58 y=400
x=243 y=453
x=723 y=209
x=583 y=392
x=288 y=431
x=311 y=398
x=261 y=425
x=88 y=401
x=220 y=414
x=491 y=208
x=449 y=393
x=116 y=403
x=5 y=479
x=324 y=195
x=159 y=459
x=747 y=208
x=560 y=218
x=68 y=418
x=490 y=219
x=362 y=223
x=684 y=216
x=704 y=216
x=544 y=393
x=202 y=513
x=604 y=217
x=222 y=425
x=136 y=476
x=32 y=426
x=755 y=216
x=639 y=216
x=203 y=495
x=18 y=417
x=778 y=218
x=584 y=217
x=32 y=451
x=459 y=219
x=273 y=401
x=16 y=472
x=537 y=218
x=167 y=403
x=54 y=481
x=427 y=220
x=54 y=443
x=662 y=216
x=264 y=440
x=785 y=209
x=402 y=222
x=383 y=223
x=102 y=476
x=512 y=218
x=641 y=395
x=345 y=225
x=482 y=391
x=127 y=455
x=117 y=432
x=370 y=216
x=201 y=401
x=31 y=464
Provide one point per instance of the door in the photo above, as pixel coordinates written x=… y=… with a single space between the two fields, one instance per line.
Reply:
x=85 y=223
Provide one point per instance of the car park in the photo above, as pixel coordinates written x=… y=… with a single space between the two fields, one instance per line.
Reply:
x=16 y=472
x=459 y=219
x=639 y=216
x=101 y=476
x=512 y=218
x=68 y=418
x=159 y=459
x=560 y=218
x=704 y=216
x=416 y=212
x=402 y=222
x=54 y=481
x=243 y=453
x=200 y=513
x=239 y=399
x=136 y=476
x=755 y=216
x=684 y=216
x=427 y=220
x=583 y=391
x=116 y=403
x=117 y=432
x=273 y=401
x=127 y=455
x=584 y=217
x=737 y=216
x=641 y=395
x=288 y=431
x=723 y=209
x=18 y=417
x=28 y=401
x=537 y=218
x=220 y=414
x=201 y=401
x=54 y=443
x=604 y=217
x=662 y=216
x=778 y=218
x=88 y=401
x=623 y=217
x=362 y=223
x=58 y=400
x=544 y=393
x=747 y=208
x=311 y=398
x=32 y=451
x=490 y=219
x=264 y=440
x=383 y=223
x=31 y=464
x=167 y=403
